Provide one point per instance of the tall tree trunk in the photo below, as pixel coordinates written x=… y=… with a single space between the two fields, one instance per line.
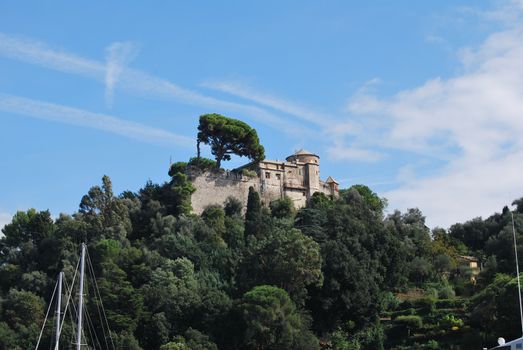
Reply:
x=219 y=156
x=198 y=148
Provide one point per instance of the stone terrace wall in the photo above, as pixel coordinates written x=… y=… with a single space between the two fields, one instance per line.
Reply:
x=215 y=187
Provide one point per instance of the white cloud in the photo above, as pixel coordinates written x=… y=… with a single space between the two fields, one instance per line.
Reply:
x=464 y=190
x=118 y=55
x=38 y=53
x=435 y=39
x=73 y=116
x=339 y=151
x=265 y=99
x=473 y=121
x=508 y=12
x=147 y=85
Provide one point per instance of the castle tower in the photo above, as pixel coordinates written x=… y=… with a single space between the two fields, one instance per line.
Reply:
x=310 y=164
x=333 y=185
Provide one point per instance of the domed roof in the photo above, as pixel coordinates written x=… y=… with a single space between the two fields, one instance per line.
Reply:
x=302 y=155
x=303 y=152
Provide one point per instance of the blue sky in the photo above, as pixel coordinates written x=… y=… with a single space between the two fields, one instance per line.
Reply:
x=421 y=101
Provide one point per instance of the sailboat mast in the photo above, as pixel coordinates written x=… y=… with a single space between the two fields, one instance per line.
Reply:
x=58 y=310
x=80 y=300
x=517 y=272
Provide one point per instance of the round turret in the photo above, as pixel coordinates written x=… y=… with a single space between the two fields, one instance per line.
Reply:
x=304 y=156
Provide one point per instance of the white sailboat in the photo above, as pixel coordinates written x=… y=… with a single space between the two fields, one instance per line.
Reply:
x=514 y=344
x=80 y=311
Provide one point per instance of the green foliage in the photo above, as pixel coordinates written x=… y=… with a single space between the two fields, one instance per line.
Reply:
x=443 y=263
x=232 y=206
x=371 y=198
x=249 y=173
x=425 y=305
x=253 y=216
x=282 y=208
x=410 y=322
x=214 y=216
x=454 y=303
x=369 y=338
x=420 y=269
x=228 y=136
x=389 y=301
x=451 y=321
x=106 y=214
x=22 y=308
x=312 y=223
x=284 y=258
x=201 y=163
x=178 y=167
x=179 y=345
x=180 y=192
x=492 y=309
x=446 y=292
x=8 y=337
x=198 y=341
x=358 y=250
x=320 y=201
x=126 y=341
x=124 y=306
x=271 y=318
x=30 y=226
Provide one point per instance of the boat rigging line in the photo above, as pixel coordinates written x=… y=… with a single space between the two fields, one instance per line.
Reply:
x=82 y=313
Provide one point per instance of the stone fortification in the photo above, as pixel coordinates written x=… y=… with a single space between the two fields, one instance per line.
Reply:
x=213 y=187
x=298 y=177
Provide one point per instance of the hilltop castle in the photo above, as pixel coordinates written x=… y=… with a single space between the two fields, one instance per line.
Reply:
x=298 y=177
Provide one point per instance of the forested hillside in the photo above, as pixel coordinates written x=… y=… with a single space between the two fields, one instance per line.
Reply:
x=338 y=274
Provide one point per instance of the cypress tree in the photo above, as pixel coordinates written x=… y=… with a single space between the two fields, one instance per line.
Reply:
x=253 y=214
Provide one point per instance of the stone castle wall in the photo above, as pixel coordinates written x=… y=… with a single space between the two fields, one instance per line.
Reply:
x=297 y=178
x=215 y=187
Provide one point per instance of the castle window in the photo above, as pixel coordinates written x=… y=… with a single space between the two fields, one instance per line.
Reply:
x=267 y=175
x=278 y=176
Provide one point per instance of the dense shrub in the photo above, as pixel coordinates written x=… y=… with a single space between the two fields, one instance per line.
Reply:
x=202 y=163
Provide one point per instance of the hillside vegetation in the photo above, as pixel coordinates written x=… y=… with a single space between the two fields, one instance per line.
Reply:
x=337 y=274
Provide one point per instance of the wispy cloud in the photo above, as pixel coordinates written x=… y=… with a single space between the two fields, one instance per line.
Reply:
x=507 y=12
x=435 y=39
x=38 y=53
x=268 y=100
x=340 y=151
x=328 y=126
x=35 y=52
x=118 y=55
x=472 y=121
x=147 y=85
x=82 y=118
